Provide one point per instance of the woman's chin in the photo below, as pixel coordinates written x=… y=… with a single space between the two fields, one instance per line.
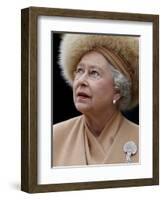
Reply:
x=83 y=108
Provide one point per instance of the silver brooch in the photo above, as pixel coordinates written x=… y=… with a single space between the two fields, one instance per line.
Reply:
x=130 y=148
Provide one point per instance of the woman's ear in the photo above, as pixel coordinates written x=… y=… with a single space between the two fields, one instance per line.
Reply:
x=116 y=97
x=117 y=94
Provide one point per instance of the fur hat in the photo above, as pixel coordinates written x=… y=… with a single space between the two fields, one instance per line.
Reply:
x=74 y=46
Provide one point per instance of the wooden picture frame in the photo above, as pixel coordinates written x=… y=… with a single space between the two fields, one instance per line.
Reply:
x=29 y=98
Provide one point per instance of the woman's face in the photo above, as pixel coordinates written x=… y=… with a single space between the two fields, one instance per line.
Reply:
x=93 y=87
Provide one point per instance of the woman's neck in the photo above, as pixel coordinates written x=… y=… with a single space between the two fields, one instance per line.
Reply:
x=96 y=123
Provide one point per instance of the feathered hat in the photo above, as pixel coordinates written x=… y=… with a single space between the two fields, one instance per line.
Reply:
x=124 y=48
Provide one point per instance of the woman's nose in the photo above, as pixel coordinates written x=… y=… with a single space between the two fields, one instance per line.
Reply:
x=83 y=80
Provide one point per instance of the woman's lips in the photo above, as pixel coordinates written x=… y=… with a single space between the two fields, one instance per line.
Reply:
x=83 y=95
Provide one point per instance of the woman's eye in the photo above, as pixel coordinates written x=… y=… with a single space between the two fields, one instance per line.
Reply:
x=79 y=71
x=95 y=73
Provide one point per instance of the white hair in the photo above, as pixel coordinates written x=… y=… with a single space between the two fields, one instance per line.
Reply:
x=123 y=84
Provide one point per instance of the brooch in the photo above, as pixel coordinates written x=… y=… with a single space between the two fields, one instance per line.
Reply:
x=130 y=148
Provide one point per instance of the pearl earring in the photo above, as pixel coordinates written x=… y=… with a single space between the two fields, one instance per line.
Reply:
x=114 y=101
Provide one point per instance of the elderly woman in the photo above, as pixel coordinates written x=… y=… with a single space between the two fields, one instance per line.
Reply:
x=103 y=72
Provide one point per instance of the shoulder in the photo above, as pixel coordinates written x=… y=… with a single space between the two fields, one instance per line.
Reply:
x=63 y=127
x=129 y=124
x=67 y=123
x=130 y=130
x=62 y=132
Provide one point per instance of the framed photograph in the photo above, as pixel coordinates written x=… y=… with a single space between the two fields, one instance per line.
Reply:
x=89 y=99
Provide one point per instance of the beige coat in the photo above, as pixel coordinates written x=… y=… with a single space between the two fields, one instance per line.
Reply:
x=74 y=144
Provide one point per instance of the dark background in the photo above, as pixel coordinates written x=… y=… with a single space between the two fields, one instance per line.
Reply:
x=62 y=102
